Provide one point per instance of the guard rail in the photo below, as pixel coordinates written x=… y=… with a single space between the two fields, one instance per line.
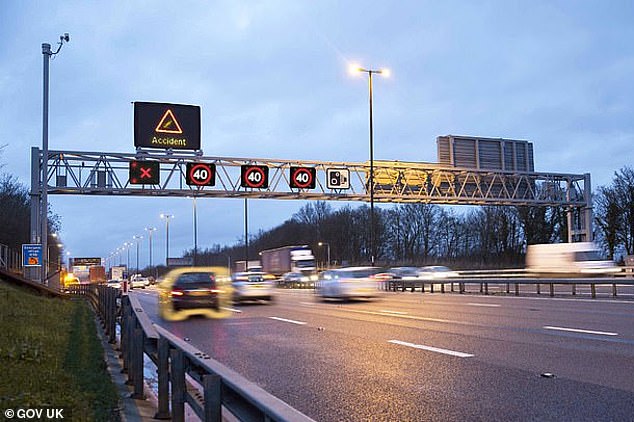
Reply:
x=176 y=361
x=506 y=278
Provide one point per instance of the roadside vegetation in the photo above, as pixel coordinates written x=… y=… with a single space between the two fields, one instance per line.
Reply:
x=50 y=356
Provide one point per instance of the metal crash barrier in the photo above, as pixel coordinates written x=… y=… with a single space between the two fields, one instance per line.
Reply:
x=507 y=278
x=182 y=369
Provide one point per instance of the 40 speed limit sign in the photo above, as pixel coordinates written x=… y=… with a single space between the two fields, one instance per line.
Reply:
x=252 y=176
x=303 y=177
x=201 y=174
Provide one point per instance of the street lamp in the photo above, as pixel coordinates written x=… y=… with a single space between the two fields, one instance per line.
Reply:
x=370 y=72
x=46 y=54
x=150 y=230
x=195 y=218
x=167 y=218
x=137 y=238
x=127 y=245
x=327 y=251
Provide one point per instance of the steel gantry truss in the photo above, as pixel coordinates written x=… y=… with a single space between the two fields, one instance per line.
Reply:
x=99 y=173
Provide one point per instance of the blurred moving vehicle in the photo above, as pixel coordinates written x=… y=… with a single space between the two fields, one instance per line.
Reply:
x=297 y=279
x=349 y=283
x=252 y=285
x=114 y=283
x=138 y=281
x=568 y=259
x=191 y=291
x=436 y=272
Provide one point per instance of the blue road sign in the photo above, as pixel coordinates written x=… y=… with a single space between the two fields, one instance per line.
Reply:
x=32 y=255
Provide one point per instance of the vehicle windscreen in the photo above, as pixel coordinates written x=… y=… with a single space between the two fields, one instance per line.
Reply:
x=196 y=280
x=305 y=263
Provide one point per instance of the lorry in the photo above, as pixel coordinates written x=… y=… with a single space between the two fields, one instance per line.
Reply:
x=244 y=266
x=290 y=259
x=579 y=259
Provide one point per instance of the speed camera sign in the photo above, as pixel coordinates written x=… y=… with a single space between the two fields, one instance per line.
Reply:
x=303 y=177
x=337 y=178
x=252 y=176
x=201 y=174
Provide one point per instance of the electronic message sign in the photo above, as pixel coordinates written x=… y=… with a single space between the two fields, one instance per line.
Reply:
x=252 y=176
x=144 y=173
x=200 y=174
x=303 y=177
x=161 y=125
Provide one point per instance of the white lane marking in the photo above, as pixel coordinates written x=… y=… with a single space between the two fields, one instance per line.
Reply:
x=238 y=311
x=288 y=320
x=485 y=305
x=307 y=303
x=432 y=349
x=579 y=330
x=417 y=318
x=393 y=312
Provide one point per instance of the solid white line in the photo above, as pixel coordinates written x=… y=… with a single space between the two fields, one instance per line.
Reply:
x=432 y=349
x=393 y=312
x=288 y=320
x=485 y=305
x=578 y=330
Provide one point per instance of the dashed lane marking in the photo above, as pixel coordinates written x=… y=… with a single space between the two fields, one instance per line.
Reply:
x=288 y=320
x=432 y=349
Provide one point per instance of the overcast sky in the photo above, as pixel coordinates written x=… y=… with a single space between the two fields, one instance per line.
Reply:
x=271 y=79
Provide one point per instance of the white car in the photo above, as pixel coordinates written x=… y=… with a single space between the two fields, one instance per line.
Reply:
x=436 y=272
x=252 y=285
x=139 y=282
x=349 y=283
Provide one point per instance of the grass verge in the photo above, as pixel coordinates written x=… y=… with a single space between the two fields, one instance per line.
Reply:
x=50 y=356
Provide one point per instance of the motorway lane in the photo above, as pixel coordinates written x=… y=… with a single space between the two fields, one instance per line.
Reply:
x=335 y=361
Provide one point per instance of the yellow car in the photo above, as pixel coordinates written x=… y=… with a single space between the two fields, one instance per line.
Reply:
x=185 y=292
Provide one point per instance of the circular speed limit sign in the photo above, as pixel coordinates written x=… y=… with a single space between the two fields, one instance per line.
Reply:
x=201 y=174
x=256 y=177
x=302 y=177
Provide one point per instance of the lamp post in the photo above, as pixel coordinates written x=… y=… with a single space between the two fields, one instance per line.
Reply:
x=167 y=218
x=370 y=72
x=150 y=230
x=46 y=54
x=327 y=251
x=127 y=245
x=136 y=239
x=195 y=218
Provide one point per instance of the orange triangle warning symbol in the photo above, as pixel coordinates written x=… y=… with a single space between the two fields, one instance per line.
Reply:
x=168 y=124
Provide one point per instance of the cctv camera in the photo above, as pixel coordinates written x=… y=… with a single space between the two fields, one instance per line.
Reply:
x=65 y=37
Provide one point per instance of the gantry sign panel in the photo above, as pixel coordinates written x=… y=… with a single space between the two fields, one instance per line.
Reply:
x=99 y=173
x=166 y=126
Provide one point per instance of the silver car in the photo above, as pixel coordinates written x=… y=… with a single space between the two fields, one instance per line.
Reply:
x=253 y=285
x=349 y=283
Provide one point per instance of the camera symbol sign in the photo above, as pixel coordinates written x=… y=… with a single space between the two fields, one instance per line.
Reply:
x=303 y=177
x=201 y=174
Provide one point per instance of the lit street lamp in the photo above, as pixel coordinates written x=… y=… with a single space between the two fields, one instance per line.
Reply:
x=167 y=218
x=370 y=72
x=127 y=245
x=327 y=251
